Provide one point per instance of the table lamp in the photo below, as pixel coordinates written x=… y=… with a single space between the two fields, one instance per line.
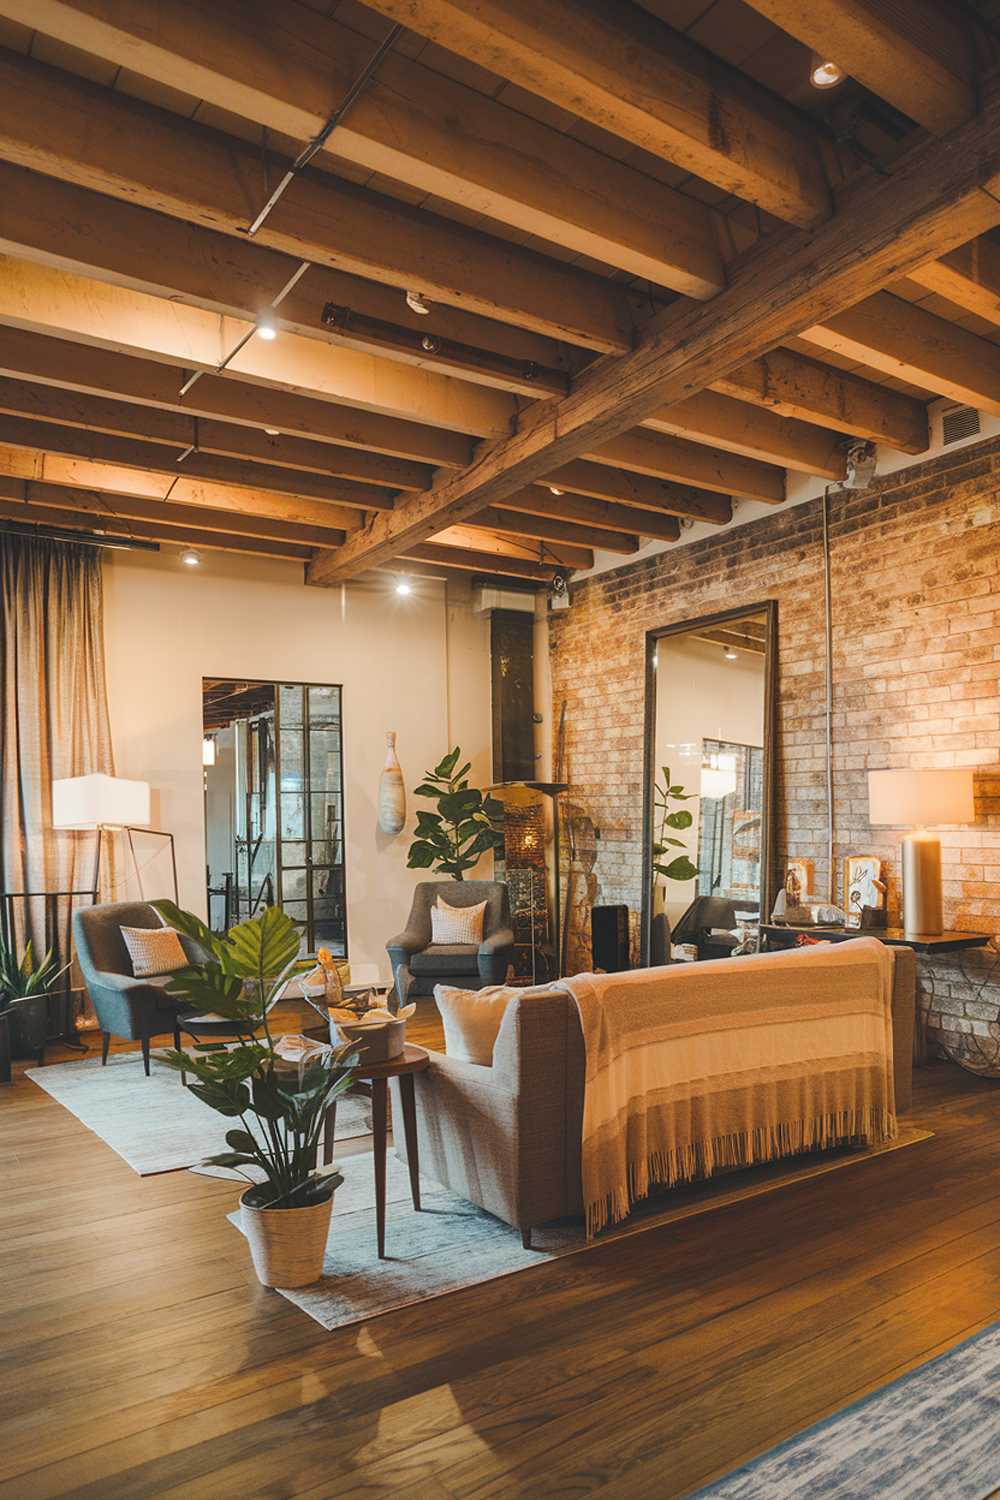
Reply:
x=917 y=800
x=97 y=804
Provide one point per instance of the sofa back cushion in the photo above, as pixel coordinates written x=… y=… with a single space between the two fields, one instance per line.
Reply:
x=472 y=1019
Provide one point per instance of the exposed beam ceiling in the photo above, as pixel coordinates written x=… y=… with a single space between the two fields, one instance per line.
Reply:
x=685 y=462
x=969 y=277
x=480 y=562
x=663 y=525
x=153 y=531
x=938 y=196
x=290 y=76
x=625 y=71
x=737 y=427
x=915 y=53
x=602 y=482
x=553 y=529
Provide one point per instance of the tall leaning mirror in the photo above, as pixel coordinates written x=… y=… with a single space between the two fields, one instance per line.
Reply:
x=709 y=784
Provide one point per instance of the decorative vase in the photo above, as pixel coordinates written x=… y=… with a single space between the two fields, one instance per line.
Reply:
x=391 y=791
x=287 y=1244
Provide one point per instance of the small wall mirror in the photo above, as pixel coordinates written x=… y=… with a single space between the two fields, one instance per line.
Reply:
x=709 y=783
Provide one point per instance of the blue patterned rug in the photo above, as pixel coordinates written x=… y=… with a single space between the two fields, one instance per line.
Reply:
x=934 y=1434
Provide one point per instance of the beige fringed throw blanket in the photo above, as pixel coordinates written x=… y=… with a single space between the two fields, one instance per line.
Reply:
x=700 y=1066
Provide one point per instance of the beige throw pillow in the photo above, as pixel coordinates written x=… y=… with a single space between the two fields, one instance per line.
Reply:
x=457 y=924
x=153 y=950
x=472 y=1019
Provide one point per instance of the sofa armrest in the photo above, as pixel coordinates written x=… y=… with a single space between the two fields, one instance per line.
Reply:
x=400 y=947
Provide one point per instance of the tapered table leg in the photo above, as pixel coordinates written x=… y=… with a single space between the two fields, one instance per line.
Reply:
x=380 y=1093
x=408 y=1101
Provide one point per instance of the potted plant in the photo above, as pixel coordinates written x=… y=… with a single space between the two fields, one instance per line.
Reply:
x=455 y=837
x=671 y=820
x=25 y=986
x=277 y=1105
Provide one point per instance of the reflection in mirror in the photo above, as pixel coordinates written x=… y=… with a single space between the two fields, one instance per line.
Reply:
x=709 y=785
x=274 y=830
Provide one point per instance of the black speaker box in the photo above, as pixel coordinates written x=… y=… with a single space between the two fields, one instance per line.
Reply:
x=609 y=938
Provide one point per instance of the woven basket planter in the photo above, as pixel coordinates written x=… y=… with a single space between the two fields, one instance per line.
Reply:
x=287 y=1244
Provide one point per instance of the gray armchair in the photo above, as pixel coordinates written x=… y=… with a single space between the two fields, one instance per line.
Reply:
x=125 y=1006
x=418 y=964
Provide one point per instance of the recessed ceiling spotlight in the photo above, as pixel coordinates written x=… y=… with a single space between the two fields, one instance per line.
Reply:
x=267 y=330
x=190 y=558
x=404 y=586
x=553 y=490
x=273 y=431
x=730 y=653
x=418 y=303
x=824 y=74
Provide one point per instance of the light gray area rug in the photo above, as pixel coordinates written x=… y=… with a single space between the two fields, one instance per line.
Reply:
x=155 y=1124
x=934 y=1434
x=451 y=1244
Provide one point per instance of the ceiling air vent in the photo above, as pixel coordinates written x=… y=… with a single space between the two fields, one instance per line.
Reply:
x=958 y=422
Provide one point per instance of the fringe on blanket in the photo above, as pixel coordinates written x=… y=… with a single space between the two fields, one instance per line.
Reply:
x=869 y=1126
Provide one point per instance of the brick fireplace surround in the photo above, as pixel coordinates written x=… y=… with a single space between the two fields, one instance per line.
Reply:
x=915 y=565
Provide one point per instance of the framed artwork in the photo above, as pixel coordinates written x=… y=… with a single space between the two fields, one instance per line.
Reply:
x=799 y=876
x=863 y=886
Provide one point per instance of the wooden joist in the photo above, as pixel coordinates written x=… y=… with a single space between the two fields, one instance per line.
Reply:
x=102 y=504
x=47 y=300
x=130 y=453
x=80 y=473
x=602 y=482
x=938 y=196
x=289 y=74
x=153 y=531
x=969 y=277
x=795 y=386
x=902 y=339
x=149 y=383
x=473 y=561
x=685 y=462
x=623 y=70
x=662 y=525
x=917 y=54
x=522 y=549
x=54 y=123
x=737 y=427
x=557 y=532
x=49 y=404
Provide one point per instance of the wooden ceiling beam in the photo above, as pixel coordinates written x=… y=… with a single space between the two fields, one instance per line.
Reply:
x=77 y=473
x=969 y=277
x=132 y=454
x=521 y=549
x=504 y=164
x=45 y=403
x=473 y=561
x=602 y=482
x=757 y=433
x=153 y=531
x=65 y=127
x=101 y=504
x=552 y=529
x=625 y=71
x=599 y=514
x=62 y=225
x=685 y=462
x=62 y=364
x=906 y=341
x=793 y=385
x=44 y=299
x=917 y=54
x=938 y=195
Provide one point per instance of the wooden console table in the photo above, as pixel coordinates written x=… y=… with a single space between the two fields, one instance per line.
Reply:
x=946 y=942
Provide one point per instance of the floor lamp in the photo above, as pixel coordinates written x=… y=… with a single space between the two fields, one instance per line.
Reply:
x=99 y=804
x=919 y=800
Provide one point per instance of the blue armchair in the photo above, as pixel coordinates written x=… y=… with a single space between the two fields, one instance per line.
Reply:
x=418 y=964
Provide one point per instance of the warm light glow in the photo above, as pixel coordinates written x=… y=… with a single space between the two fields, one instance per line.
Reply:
x=718 y=776
x=208 y=750
x=403 y=587
x=730 y=653
x=824 y=74
x=267 y=330
x=190 y=558
x=920 y=799
x=273 y=431
x=418 y=303
x=554 y=491
x=99 y=801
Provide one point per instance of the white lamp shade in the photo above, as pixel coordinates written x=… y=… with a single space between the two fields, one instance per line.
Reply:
x=100 y=801
x=718 y=777
x=920 y=799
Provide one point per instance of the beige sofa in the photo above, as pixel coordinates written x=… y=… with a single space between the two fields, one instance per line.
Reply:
x=508 y=1136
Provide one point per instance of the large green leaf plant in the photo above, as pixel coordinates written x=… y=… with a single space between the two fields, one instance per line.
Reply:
x=463 y=828
x=280 y=1106
x=671 y=820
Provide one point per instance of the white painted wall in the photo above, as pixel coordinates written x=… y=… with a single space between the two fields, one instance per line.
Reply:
x=700 y=695
x=419 y=665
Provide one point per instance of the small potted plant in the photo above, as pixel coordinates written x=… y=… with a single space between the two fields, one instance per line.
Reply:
x=277 y=1103
x=25 y=987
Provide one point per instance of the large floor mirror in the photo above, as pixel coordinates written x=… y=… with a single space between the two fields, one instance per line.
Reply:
x=274 y=805
x=709 y=777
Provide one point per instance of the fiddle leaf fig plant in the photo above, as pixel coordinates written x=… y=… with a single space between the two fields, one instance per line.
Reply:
x=452 y=839
x=679 y=866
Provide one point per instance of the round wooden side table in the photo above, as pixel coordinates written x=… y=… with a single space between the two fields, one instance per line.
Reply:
x=373 y=1079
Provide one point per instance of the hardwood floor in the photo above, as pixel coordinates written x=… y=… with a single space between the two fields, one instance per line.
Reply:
x=139 y=1357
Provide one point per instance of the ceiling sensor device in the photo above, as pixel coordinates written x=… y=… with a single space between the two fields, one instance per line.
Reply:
x=559 y=593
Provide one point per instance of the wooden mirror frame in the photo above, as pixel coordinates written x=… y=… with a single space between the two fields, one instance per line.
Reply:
x=769 y=610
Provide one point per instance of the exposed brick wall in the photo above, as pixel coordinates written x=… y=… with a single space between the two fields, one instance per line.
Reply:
x=915 y=566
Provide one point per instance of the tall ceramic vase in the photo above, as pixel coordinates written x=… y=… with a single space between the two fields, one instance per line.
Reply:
x=391 y=792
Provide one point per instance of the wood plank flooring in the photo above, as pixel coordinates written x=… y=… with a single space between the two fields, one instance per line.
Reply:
x=139 y=1357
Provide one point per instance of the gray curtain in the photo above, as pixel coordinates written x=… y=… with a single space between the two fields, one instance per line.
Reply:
x=54 y=722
